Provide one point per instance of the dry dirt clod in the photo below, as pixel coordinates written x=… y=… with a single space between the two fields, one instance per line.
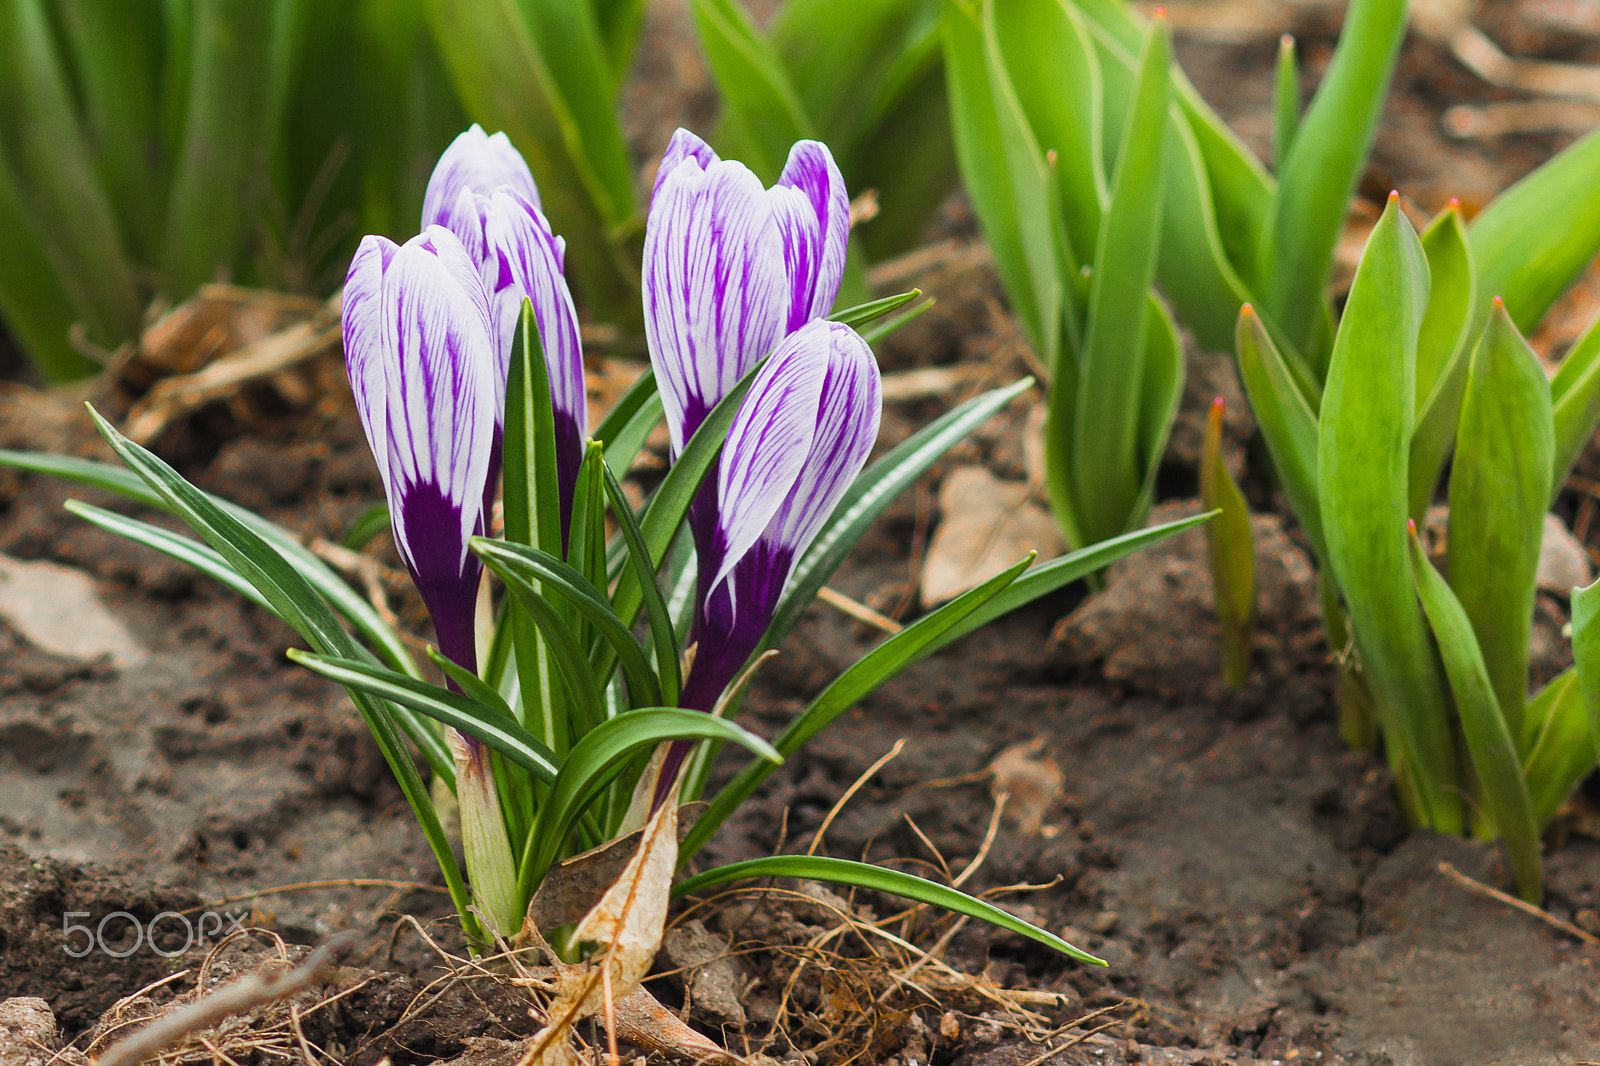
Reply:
x=709 y=974
x=27 y=1032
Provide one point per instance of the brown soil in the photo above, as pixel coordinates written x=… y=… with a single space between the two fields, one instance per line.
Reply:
x=1248 y=878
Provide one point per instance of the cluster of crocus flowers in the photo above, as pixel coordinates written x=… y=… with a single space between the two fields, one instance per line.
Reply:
x=733 y=273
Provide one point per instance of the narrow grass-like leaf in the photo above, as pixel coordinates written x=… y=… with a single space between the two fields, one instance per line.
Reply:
x=568 y=36
x=1288 y=423
x=191 y=552
x=1051 y=63
x=859 y=315
x=604 y=753
x=670 y=504
x=1059 y=573
x=1314 y=185
x=535 y=575
x=1499 y=485
x=471 y=684
x=532 y=505
x=282 y=585
x=871 y=494
x=1006 y=189
x=369 y=524
x=586 y=544
x=1103 y=451
x=1364 y=437
x=1196 y=270
x=1575 y=393
x=233 y=119
x=116 y=51
x=619 y=22
x=1483 y=726
x=1231 y=550
x=1160 y=394
x=583 y=709
x=1534 y=239
x=1444 y=349
x=1586 y=653
x=662 y=632
x=1560 y=752
x=878 y=879
x=344 y=599
x=486 y=723
x=870 y=671
x=874 y=334
x=1285 y=101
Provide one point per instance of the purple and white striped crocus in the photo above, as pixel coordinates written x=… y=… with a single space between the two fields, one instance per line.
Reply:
x=799 y=440
x=731 y=268
x=482 y=191
x=419 y=348
x=480 y=163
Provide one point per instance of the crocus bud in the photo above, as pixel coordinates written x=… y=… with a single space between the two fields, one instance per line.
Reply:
x=801 y=436
x=521 y=258
x=478 y=162
x=420 y=355
x=731 y=267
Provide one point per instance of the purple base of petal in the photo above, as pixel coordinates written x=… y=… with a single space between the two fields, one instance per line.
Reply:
x=448 y=583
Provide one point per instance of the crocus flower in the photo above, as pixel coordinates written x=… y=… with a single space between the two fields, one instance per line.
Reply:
x=730 y=267
x=519 y=257
x=801 y=436
x=478 y=162
x=420 y=354
x=419 y=348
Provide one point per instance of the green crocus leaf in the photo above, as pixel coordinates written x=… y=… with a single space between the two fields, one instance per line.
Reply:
x=1316 y=180
x=1560 y=751
x=1444 y=345
x=1104 y=450
x=1575 y=393
x=1535 y=238
x=1364 y=437
x=1483 y=727
x=878 y=879
x=1499 y=485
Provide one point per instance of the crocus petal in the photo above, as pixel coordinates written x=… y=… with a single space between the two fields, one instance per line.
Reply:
x=477 y=162
x=849 y=409
x=465 y=219
x=715 y=289
x=816 y=229
x=361 y=309
x=767 y=447
x=684 y=145
x=525 y=260
x=421 y=363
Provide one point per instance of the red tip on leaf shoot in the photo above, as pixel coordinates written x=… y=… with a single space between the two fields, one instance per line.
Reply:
x=1411 y=526
x=1160 y=12
x=1287 y=40
x=1394 y=196
x=1218 y=405
x=1454 y=203
x=1499 y=304
x=1247 y=309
